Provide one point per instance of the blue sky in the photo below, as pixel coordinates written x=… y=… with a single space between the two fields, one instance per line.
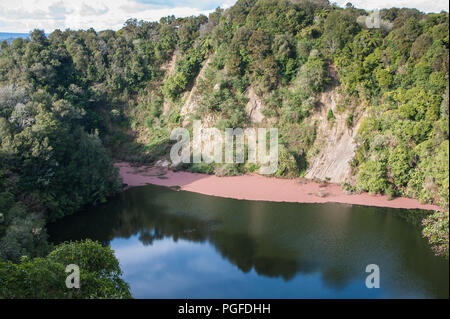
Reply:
x=198 y=4
x=25 y=15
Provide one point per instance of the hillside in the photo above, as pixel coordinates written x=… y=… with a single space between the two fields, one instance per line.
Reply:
x=290 y=70
x=360 y=106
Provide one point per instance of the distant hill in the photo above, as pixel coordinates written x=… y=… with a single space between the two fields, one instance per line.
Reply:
x=11 y=36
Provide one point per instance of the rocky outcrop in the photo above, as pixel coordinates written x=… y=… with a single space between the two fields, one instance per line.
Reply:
x=334 y=140
x=254 y=107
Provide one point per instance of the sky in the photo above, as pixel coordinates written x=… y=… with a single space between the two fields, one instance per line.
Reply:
x=23 y=16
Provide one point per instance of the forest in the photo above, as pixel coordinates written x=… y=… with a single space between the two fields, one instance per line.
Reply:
x=74 y=102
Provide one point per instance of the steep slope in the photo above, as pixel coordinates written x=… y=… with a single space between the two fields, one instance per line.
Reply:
x=193 y=97
x=335 y=139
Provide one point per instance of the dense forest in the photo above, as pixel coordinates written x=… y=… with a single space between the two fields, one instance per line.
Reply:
x=73 y=102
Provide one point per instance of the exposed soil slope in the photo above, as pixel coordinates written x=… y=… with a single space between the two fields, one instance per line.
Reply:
x=335 y=141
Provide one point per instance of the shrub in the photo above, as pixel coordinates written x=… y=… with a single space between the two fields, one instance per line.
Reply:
x=349 y=120
x=330 y=115
x=372 y=177
x=204 y=168
x=229 y=169
x=436 y=231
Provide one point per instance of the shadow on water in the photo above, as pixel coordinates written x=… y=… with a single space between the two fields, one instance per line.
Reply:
x=276 y=240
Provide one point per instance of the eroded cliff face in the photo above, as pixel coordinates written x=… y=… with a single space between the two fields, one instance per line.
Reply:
x=254 y=107
x=334 y=142
x=334 y=146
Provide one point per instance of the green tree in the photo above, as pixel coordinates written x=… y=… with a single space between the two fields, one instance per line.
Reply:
x=46 y=277
x=372 y=177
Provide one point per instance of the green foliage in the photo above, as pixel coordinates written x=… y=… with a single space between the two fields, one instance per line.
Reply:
x=349 y=120
x=339 y=27
x=175 y=85
x=312 y=76
x=202 y=167
x=37 y=278
x=46 y=277
x=287 y=163
x=22 y=233
x=404 y=132
x=372 y=177
x=55 y=157
x=185 y=71
x=330 y=115
x=399 y=163
x=222 y=97
x=228 y=169
x=384 y=78
x=436 y=231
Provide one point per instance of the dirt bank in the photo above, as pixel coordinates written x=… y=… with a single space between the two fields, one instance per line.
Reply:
x=257 y=187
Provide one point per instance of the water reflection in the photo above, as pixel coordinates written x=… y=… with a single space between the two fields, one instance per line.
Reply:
x=257 y=249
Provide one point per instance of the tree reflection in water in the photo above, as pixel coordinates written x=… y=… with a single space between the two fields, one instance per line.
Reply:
x=274 y=239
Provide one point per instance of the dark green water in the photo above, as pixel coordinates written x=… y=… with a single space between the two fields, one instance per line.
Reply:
x=185 y=245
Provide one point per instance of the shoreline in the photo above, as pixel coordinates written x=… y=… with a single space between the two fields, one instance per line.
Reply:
x=259 y=188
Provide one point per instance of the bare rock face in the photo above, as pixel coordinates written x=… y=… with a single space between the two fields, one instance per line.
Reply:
x=337 y=149
x=334 y=140
x=254 y=107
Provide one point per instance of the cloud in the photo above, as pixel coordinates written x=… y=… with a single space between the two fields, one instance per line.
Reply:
x=422 y=5
x=26 y=15
x=87 y=10
x=197 y=4
x=58 y=11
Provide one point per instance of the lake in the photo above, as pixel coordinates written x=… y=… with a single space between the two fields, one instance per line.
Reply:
x=178 y=244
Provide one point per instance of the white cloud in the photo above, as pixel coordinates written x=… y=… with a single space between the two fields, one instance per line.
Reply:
x=26 y=15
x=422 y=5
